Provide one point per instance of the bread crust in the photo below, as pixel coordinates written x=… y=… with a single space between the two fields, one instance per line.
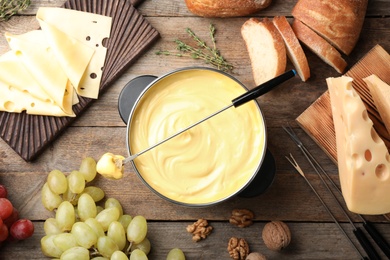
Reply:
x=266 y=49
x=339 y=22
x=226 y=8
x=293 y=47
x=319 y=46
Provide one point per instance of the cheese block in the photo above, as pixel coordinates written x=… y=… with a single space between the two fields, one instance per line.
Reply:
x=89 y=28
x=363 y=159
x=380 y=92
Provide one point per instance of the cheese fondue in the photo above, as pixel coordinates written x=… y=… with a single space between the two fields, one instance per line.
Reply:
x=213 y=160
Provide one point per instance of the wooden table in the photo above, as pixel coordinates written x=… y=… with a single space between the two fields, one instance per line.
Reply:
x=100 y=129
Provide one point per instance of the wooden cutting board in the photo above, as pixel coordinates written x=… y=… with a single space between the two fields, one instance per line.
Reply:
x=131 y=35
x=317 y=119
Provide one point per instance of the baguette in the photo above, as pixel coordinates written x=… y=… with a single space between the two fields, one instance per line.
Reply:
x=293 y=47
x=319 y=46
x=226 y=8
x=266 y=49
x=338 y=22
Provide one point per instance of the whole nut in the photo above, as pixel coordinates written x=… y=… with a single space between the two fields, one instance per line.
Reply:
x=276 y=235
x=255 y=256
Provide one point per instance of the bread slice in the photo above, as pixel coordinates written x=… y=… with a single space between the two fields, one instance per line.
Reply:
x=319 y=46
x=380 y=92
x=293 y=47
x=338 y=22
x=265 y=48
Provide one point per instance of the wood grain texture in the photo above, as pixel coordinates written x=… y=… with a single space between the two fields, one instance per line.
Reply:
x=130 y=36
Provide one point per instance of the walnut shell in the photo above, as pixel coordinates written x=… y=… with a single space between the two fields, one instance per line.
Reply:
x=255 y=256
x=276 y=235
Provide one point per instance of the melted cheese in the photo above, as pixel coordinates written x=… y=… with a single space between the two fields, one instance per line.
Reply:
x=209 y=162
x=363 y=159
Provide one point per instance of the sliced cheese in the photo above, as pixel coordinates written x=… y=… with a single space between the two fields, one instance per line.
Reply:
x=363 y=159
x=380 y=92
x=73 y=55
x=14 y=100
x=39 y=59
x=90 y=29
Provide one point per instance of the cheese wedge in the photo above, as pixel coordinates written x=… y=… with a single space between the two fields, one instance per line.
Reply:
x=88 y=28
x=363 y=159
x=380 y=92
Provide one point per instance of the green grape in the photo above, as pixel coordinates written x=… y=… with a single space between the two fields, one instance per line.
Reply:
x=106 y=246
x=51 y=227
x=137 y=229
x=84 y=235
x=96 y=227
x=125 y=220
x=106 y=216
x=144 y=245
x=96 y=193
x=65 y=216
x=50 y=200
x=71 y=197
x=64 y=241
x=111 y=202
x=100 y=258
x=76 y=182
x=49 y=248
x=88 y=168
x=176 y=254
x=138 y=255
x=117 y=233
x=57 y=182
x=86 y=207
x=99 y=209
x=79 y=253
x=119 y=255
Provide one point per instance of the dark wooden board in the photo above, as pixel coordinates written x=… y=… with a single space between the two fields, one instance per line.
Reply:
x=131 y=35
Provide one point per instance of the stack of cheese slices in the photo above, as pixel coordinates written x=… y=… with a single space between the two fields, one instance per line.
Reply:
x=46 y=70
x=328 y=28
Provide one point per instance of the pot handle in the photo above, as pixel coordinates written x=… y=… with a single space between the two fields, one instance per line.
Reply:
x=130 y=94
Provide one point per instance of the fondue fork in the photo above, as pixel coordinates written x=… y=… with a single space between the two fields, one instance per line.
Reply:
x=247 y=96
x=372 y=231
x=299 y=170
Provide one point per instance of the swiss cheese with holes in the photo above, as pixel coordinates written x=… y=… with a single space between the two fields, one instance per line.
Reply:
x=47 y=67
x=363 y=159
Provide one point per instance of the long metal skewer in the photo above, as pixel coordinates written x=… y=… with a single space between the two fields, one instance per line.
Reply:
x=374 y=233
x=299 y=170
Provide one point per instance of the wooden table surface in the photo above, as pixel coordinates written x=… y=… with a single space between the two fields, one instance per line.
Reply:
x=100 y=129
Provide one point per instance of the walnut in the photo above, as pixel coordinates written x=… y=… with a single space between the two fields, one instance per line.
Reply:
x=200 y=229
x=241 y=217
x=255 y=256
x=276 y=235
x=238 y=248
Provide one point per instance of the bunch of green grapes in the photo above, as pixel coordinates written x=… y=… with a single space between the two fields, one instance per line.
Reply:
x=81 y=229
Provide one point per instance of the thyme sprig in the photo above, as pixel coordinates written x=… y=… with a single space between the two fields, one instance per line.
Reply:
x=209 y=55
x=10 y=7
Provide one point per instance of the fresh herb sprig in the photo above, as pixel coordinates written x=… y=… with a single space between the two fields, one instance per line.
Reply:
x=209 y=55
x=10 y=7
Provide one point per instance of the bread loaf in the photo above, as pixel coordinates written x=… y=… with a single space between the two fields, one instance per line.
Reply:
x=293 y=47
x=266 y=49
x=339 y=22
x=226 y=8
x=319 y=46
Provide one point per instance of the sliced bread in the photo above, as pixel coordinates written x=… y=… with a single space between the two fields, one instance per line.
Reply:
x=293 y=47
x=319 y=46
x=266 y=49
x=338 y=22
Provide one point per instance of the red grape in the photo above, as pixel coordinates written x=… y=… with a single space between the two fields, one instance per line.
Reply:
x=22 y=229
x=12 y=218
x=5 y=208
x=3 y=191
x=3 y=232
